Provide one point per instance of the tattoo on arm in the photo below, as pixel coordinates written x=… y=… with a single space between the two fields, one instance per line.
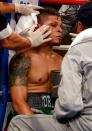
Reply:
x=18 y=69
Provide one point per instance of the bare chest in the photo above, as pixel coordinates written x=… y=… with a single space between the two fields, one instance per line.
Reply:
x=40 y=69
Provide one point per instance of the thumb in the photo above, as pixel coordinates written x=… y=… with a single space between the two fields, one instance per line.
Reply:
x=28 y=30
x=73 y=34
x=32 y=28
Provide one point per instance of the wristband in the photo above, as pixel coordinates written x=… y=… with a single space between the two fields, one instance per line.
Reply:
x=5 y=32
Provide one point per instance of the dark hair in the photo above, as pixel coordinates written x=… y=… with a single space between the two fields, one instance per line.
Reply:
x=46 y=12
x=84 y=14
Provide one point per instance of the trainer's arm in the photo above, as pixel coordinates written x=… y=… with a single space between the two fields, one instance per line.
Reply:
x=7 y=7
x=15 y=42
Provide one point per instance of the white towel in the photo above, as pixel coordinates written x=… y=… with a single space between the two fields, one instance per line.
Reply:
x=26 y=22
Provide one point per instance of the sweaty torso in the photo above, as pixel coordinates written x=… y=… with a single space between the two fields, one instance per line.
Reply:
x=38 y=76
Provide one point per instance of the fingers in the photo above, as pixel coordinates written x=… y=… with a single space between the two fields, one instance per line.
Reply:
x=46 y=34
x=47 y=40
x=73 y=34
x=34 y=7
x=29 y=30
x=43 y=29
x=26 y=9
x=32 y=28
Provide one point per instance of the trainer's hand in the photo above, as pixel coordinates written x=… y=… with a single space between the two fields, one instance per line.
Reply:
x=40 y=36
x=25 y=9
x=73 y=35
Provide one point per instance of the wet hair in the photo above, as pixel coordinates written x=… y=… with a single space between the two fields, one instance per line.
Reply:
x=84 y=14
x=47 y=12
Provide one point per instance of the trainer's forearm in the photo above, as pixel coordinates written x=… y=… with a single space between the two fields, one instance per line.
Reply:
x=7 y=7
x=15 y=42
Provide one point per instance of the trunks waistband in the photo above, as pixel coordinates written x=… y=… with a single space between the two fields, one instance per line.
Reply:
x=40 y=101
